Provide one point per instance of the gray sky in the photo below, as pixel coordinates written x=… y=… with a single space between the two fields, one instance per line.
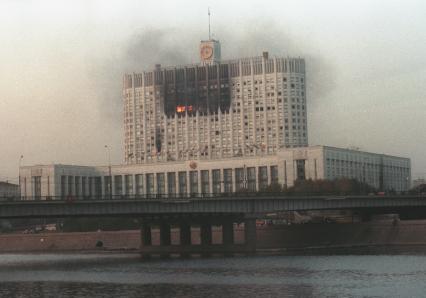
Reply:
x=61 y=66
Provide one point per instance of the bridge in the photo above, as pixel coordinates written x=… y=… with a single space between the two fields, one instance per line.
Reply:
x=242 y=204
x=205 y=212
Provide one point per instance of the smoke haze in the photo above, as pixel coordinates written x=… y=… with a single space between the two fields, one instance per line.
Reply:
x=61 y=77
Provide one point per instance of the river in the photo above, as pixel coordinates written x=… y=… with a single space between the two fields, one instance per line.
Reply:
x=125 y=275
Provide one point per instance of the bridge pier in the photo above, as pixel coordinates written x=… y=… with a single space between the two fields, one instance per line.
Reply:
x=228 y=233
x=184 y=247
x=250 y=234
x=228 y=236
x=146 y=237
x=185 y=237
x=206 y=237
x=165 y=237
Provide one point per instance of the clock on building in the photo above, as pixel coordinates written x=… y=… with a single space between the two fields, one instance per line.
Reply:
x=206 y=52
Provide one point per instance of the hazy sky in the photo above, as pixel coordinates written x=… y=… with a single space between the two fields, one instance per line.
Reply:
x=61 y=66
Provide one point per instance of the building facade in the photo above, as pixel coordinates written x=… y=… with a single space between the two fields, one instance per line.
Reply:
x=186 y=178
x=215 y=109
x=8 y=190
x=215 y=127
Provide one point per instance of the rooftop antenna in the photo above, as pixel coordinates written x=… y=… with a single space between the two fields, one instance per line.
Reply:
x=209 y=23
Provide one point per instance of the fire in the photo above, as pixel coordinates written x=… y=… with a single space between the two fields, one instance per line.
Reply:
x=182 y=109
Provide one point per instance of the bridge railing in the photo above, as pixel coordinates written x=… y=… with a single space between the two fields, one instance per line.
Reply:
x=176 y=197
x=158 y=196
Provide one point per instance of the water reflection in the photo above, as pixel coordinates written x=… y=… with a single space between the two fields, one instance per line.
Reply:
x=277 y=276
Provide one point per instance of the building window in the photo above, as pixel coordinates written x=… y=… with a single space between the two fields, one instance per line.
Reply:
x=139 y=184
x=63 y=186
x=37 y=187
x=182 y=183
x=251 y=179
x=240 y=179
x=70 y=185
x=193 y=183
x=205 y=182
x=263 y=177
x=161 y=184
x=84 y=186
x=216 y=181
x=227 y=180
x=171 y=183
x=149 y=184
x=128 y=181
x=98 y=187
x=274 y=174
x=300 y=167
x=118 y=183
x=77 y=186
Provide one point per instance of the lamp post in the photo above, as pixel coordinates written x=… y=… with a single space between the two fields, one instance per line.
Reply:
x=19 y=176
x=109 y=171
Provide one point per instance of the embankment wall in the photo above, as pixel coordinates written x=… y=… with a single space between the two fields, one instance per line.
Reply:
x=385 y=233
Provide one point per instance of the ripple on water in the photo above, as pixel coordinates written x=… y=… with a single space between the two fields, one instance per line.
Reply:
x=274 y=276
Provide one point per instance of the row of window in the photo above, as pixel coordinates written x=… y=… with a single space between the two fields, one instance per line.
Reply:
x=178 y=183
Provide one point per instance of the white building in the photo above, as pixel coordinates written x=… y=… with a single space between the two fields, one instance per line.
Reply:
x=218 y=126
x=215 y=109
x=217 y=176
x=8 y=190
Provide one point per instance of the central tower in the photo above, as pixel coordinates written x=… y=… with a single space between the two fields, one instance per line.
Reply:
x=210 y=52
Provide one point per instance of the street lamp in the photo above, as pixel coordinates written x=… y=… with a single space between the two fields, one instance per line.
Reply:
x=109 y=170
x=19 y=176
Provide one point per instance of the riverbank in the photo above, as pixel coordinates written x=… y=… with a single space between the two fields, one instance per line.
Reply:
x=358 y=238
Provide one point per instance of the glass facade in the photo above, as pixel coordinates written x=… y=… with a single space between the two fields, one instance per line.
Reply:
x=149 y=184
x=139 y=184
x=227 y=180
x=84 y=186
x=90 y=187
x=161 y=183
x=182 y=183
x=128 y=182
x=37 y=187
x=98 y=187
x=251 y=179
x=274 y=174
x=70 y=185
x=216 y=181
x=107 y=185
x=77 y=186
x=193 y=183
x=118 y=185
x=239 y=179
x=205 y=185
x=263 y=177
x=63 y=186
x=171 y=183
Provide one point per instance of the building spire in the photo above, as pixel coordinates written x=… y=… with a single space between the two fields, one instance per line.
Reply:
x=208 y=9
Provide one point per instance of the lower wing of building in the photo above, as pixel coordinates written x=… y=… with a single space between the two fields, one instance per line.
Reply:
x=190 y=177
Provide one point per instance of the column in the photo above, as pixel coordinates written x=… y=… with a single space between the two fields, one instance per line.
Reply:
x=222 y=181
x=185 y=233
x=134 y=185
x=146 y=235
x=234 y=180
x=123 y=180
x=206 y=234
x=257 y=177
x=165 y=234
x=210 y=181
x=146 y=239
x=228 y=233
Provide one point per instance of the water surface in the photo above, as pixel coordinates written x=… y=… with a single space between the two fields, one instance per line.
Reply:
x=125 y=275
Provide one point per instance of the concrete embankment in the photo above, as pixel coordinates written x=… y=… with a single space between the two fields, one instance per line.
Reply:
x=293 y=238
